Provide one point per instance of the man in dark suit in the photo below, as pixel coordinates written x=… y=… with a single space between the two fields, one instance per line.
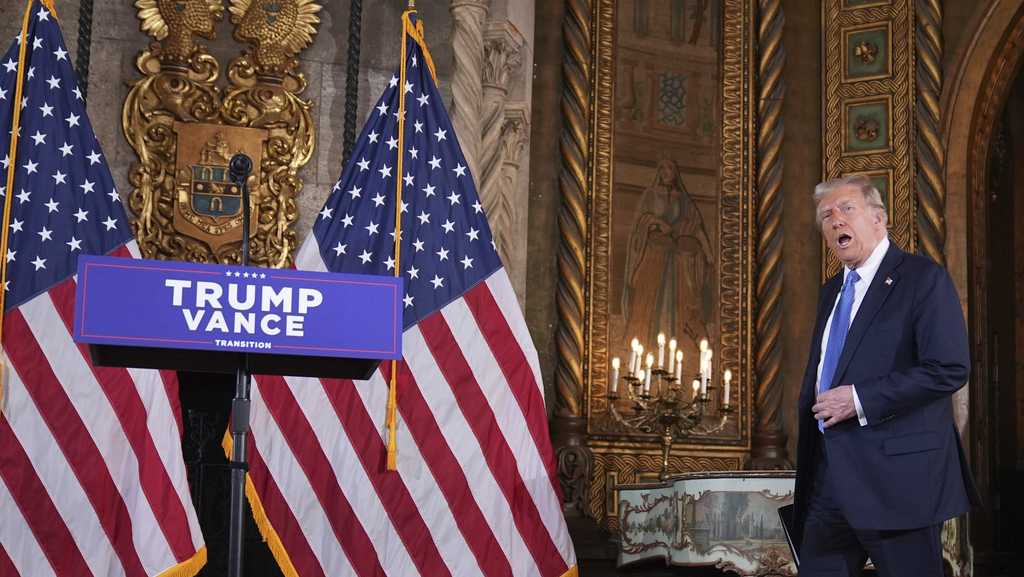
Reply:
x=879 y=461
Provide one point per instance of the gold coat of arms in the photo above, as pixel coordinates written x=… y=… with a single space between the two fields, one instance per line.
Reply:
x=185 y=128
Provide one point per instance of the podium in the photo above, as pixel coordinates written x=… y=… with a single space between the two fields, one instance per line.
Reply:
x=236 y=319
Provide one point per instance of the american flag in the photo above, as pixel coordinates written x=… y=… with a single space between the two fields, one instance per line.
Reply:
x=475 y=491
x=92 y=480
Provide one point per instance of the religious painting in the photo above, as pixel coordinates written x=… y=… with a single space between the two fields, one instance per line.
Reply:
x=669 y=229
x=665 y=167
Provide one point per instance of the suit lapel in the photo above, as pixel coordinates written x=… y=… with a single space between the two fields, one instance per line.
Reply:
x=881 y=286
x=825 y=306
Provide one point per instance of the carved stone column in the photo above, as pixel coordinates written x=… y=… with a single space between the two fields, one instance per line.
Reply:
x=502 y=58
x=506 y=214
x=467 y=84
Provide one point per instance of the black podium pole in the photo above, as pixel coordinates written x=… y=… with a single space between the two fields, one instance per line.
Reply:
x=239 y=170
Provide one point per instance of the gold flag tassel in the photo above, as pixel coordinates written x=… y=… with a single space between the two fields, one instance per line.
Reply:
x=391 y=420
x=12 y=154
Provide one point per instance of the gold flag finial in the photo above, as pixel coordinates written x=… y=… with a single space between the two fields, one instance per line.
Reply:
x=412 y=4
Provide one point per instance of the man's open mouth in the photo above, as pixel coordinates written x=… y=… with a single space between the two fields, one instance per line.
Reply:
x=844 y=240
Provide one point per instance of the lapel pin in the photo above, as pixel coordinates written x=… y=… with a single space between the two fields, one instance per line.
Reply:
x=888 y=280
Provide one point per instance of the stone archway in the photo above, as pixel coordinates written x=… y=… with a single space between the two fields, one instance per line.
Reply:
x=974 y=101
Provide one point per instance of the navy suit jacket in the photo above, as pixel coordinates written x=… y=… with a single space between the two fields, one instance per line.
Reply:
x=906 y=353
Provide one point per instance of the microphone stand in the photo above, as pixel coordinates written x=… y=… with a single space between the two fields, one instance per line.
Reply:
x=239 y=169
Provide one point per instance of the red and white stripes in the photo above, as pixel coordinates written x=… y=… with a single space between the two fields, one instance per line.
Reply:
x=92 y=480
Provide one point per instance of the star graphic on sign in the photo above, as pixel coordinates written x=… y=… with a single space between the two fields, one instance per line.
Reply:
x=418 y=245
x=408 y=87
x=477 y=208
x=442 y=254
x=423 y=99
x=473 y=233
x=365 y=257
x=6 y=162
x=3 y=94
x=326 y=213
x=408 y=300
x=23 y=196
x=37 y=42
x=408 y=179
x=371 y=228
x=373 y=136
x=378 y=200
x=393 y=82
x=435 y=162
x=10 y=65
x=413 y=272
x=395 y=114
x=467 y=263
x=392 y=143
x=347 y=221
x=437 y=281
x=459 y=170
x=45 y=235
x=448 y=226
x=82 y=215
x=39 y=263
x=43 y=14
x=31 y=73
x=59 y=178
x=114 y=197
x=383 y=109
x=74 y=244
x=440 y=134
x=424 y=217
x=93 y=158
x=39 y=138
x=31 y=167
x=364 y=164
x=60 y=53
x=52 y=206
x=72 y=120
x=340 y=249
x=87 y=187
x=390 y=263
x=46 y=109
x=355 y=192
x=53 y=81
x=404 y=207
x=429 y=189
x=413 y=152
x=16 y=225
x=418 y=126
x=10 y=255
x=336 y=187
x=454 y=198
x=78 y=93
x=66 y=149
x=385 y=171
x=110 y=223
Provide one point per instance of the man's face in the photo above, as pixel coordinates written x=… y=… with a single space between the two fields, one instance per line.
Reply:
x=851 y=228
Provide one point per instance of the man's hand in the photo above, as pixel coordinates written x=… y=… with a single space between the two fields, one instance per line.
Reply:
x=835 y=405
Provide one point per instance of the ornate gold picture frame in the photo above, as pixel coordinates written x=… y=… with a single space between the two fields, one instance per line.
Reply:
x=590 y=239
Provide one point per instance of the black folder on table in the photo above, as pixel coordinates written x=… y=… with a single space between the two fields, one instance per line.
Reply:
x=786 y=517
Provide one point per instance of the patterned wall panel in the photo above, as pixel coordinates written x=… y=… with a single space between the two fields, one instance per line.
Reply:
x=868 y=105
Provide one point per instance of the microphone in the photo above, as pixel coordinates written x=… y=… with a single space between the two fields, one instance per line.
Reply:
x=238 y=171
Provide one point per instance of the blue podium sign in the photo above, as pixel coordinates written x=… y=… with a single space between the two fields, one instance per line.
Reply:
x=161 y=304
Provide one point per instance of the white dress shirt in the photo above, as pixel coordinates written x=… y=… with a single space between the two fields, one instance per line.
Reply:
x=860 y=288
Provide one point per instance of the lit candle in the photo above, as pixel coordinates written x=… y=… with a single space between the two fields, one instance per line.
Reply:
x=661 y=350
x=671 y=353
x=647 y=381
x=696 y=388
x=726 y=378
x=707 y=378
x=615 y=375
x=639 y=377
x=632 y=355
x=703 y=359
x=679 y=366
x=639 y=357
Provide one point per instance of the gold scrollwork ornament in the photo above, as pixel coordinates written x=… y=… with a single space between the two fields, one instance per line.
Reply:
x=183 y=126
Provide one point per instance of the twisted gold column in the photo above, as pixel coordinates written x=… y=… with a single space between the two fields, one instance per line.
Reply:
x=572 y=224
x=769 y=442
x=931 y=156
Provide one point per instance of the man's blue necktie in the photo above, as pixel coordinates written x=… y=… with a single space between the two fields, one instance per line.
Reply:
x=837 y=336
